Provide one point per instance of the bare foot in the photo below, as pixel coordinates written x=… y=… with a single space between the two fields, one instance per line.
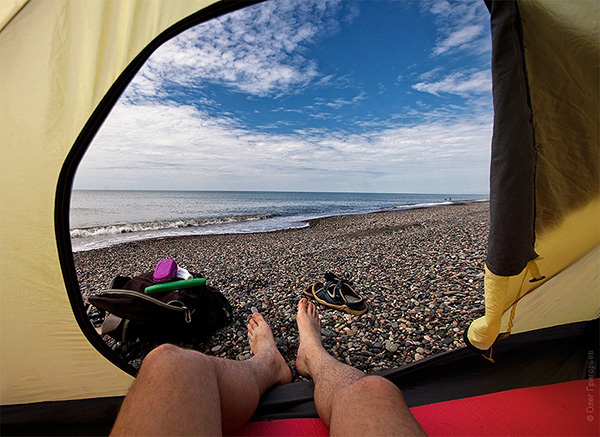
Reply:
x=263 y=346
x=309 y=328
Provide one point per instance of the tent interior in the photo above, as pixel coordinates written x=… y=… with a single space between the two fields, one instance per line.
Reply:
x=57 y=376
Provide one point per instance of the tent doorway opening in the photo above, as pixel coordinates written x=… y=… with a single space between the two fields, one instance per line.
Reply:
x=266 y=147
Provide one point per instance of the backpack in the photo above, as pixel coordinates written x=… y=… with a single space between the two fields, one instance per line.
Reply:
x=171 y=315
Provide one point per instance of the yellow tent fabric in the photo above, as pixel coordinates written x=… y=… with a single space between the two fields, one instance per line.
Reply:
x=562 y=50
x=8 y=9
x=58 y=59
x=551 y=306
x=577 y=238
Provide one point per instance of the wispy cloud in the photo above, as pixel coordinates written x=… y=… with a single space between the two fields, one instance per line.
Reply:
x=461 y=25
x=292 y=110
x=340 y=102
x=459 y=83
x=257 y=50
x=458 y=39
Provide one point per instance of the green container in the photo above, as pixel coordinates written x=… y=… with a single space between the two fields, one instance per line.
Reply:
x=175 y=285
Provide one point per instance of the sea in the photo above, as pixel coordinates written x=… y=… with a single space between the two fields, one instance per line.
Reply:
x=102 y=218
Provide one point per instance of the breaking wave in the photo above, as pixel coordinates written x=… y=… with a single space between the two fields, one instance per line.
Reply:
x=160 y=225
x=423 y=205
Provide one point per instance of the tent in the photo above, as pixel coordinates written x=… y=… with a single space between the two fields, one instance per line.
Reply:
x=63 y=65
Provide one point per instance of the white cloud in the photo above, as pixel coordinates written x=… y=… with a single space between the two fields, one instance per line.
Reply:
x=340 y=102
x=462 y=26
x=182 y=147
x=257 y=50
x=458 y=39
x=428 y=75
x=459 y=83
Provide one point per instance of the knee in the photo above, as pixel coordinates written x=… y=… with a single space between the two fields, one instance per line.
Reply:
x=171 y=359
x=373 y=385
x=164 y=354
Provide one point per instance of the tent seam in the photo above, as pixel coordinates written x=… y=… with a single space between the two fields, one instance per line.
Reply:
x=518 y=28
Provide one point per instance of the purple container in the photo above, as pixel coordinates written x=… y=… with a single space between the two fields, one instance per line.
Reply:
x=165 y=271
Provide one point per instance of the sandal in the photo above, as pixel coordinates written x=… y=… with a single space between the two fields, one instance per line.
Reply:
x=337 y=293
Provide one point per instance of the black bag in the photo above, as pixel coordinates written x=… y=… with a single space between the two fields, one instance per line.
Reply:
x=177 y=314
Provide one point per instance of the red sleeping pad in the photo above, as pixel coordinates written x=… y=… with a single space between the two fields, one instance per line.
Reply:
x=565 y=409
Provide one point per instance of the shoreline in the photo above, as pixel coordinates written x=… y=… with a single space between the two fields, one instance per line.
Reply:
x=300 y=225
x=420 y=271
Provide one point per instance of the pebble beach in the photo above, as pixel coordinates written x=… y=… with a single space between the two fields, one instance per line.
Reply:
x=420 y=272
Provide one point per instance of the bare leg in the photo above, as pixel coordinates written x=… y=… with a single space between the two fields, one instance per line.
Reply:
x=184 y=392
x=348 y=401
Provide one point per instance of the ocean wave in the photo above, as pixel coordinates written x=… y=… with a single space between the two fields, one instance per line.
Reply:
x=160 y=225
x=433 y=204
x=425 y=205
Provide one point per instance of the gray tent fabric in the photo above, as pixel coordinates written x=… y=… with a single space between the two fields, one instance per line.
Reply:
x=512 y=174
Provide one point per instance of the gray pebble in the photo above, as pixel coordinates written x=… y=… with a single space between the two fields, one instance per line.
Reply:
x=391 y=347
x=328 y=333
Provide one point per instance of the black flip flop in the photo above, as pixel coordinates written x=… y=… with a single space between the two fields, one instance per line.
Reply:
x=338 y=294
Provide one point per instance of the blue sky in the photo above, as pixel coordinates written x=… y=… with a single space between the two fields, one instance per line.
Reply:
x=310 y=95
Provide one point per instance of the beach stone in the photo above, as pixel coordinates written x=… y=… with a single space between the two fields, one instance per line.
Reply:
x=328 y=333
x=418 y=356
x=349 y=332
x=420 y=350
x=216 y=348
x=391 y=347
x=253 y=310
